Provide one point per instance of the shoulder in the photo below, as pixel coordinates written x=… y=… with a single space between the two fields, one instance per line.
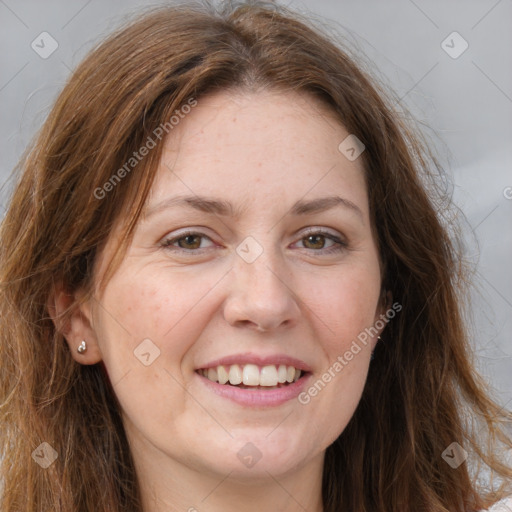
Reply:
x=502 y=506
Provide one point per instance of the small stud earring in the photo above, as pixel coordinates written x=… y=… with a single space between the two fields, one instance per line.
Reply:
x=82 y=347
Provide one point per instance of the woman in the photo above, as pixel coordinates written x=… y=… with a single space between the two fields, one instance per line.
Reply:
x=225 y=287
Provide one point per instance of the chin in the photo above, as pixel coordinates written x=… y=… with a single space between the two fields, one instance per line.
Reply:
x=258 y=454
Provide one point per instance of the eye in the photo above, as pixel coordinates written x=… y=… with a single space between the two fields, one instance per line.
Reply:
x=188 y=241
x=315 y=239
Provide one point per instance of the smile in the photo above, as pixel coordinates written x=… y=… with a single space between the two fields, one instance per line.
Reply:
x=255 y=380
x=249 y=376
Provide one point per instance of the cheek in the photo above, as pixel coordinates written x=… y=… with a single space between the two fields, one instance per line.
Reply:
x=168 y=307
x=346 y=305
x=152 y=304
x=333 y=395
x=145 y=326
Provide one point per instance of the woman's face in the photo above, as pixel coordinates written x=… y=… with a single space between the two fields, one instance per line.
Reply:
x=279 y=274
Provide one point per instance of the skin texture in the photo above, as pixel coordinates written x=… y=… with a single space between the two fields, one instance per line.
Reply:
x=261 y=151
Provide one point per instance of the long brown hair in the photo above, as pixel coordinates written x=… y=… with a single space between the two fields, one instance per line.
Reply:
x=422 y=392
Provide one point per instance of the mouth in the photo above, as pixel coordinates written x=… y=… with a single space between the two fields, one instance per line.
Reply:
x=252 y=376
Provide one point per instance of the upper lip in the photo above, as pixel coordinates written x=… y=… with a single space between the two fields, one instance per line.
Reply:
x=259 y=360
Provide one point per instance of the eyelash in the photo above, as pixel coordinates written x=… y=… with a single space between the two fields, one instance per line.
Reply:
x=339 y=246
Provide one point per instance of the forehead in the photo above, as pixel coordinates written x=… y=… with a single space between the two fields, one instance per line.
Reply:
x=252 y=146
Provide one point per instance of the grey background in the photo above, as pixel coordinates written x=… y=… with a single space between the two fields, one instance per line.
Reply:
x=466 y=102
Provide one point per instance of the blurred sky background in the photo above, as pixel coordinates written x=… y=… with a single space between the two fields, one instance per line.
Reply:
x=458 y=85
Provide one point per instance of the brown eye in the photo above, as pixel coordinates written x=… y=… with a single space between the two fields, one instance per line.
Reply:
x=190 y=242
x=316 y=241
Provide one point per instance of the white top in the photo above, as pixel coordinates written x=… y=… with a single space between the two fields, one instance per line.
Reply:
x=502 y=506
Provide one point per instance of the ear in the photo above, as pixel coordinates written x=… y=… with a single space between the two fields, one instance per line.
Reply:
x=74 y=321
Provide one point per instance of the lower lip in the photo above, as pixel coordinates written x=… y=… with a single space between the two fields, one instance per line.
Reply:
x=257 y=397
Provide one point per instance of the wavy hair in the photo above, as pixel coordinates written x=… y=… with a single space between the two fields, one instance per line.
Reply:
x=422 y=392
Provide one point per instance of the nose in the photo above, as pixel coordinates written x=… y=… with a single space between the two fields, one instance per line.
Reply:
x=261 y=294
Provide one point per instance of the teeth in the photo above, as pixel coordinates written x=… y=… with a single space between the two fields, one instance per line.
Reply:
x=222 y=375
x=251 y=375
x=268 y=376
x=212 y=374
x=281 y=374
x=235 y=374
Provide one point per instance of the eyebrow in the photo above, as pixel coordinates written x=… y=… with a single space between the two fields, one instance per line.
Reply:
x=220 y=207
